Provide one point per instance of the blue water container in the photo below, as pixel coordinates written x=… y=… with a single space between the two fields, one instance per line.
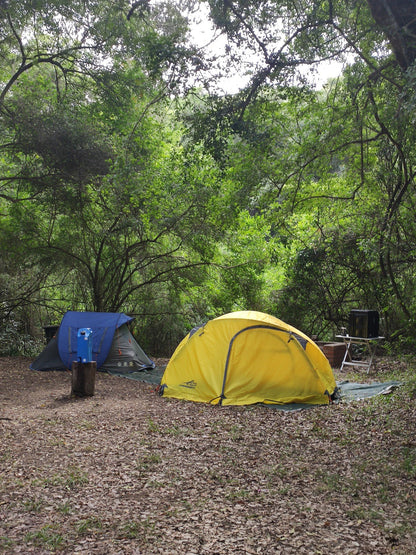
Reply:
x=84 y=345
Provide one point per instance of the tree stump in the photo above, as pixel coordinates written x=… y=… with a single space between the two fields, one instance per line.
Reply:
x=83 y=378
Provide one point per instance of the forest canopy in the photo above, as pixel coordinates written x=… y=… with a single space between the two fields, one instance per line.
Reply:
x=136 y=176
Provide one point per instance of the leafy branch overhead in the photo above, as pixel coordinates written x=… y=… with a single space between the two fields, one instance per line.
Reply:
x=129 y=180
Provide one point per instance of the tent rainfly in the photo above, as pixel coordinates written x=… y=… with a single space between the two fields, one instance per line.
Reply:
x=113 y=346
x=248 y=357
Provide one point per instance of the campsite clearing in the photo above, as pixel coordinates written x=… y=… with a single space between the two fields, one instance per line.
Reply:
x=127 y=471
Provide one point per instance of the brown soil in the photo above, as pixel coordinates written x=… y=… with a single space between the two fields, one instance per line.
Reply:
x=129 y=472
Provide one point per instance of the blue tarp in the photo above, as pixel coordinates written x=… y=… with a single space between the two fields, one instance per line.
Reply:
x=103 y=325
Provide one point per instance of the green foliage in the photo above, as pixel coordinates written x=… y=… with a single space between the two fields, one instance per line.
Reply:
x=89 y=525
x=45 y=537
x=324 y=282
x=15 y=340
x=120 y=192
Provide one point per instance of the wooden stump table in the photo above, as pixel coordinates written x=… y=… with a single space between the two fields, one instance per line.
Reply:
x=83 y=378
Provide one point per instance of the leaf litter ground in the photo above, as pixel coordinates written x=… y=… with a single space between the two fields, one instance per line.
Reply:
x=129 y=472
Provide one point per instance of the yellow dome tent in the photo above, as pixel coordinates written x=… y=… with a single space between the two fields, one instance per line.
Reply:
x=248 y=357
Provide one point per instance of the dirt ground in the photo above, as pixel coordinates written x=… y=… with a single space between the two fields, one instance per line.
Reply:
x=129 y=472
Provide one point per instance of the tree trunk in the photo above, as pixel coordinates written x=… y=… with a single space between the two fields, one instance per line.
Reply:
x=397 y=18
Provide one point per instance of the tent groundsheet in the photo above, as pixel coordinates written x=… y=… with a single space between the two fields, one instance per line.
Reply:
x=346 y=391
x=148 y=375
x=351 y=391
